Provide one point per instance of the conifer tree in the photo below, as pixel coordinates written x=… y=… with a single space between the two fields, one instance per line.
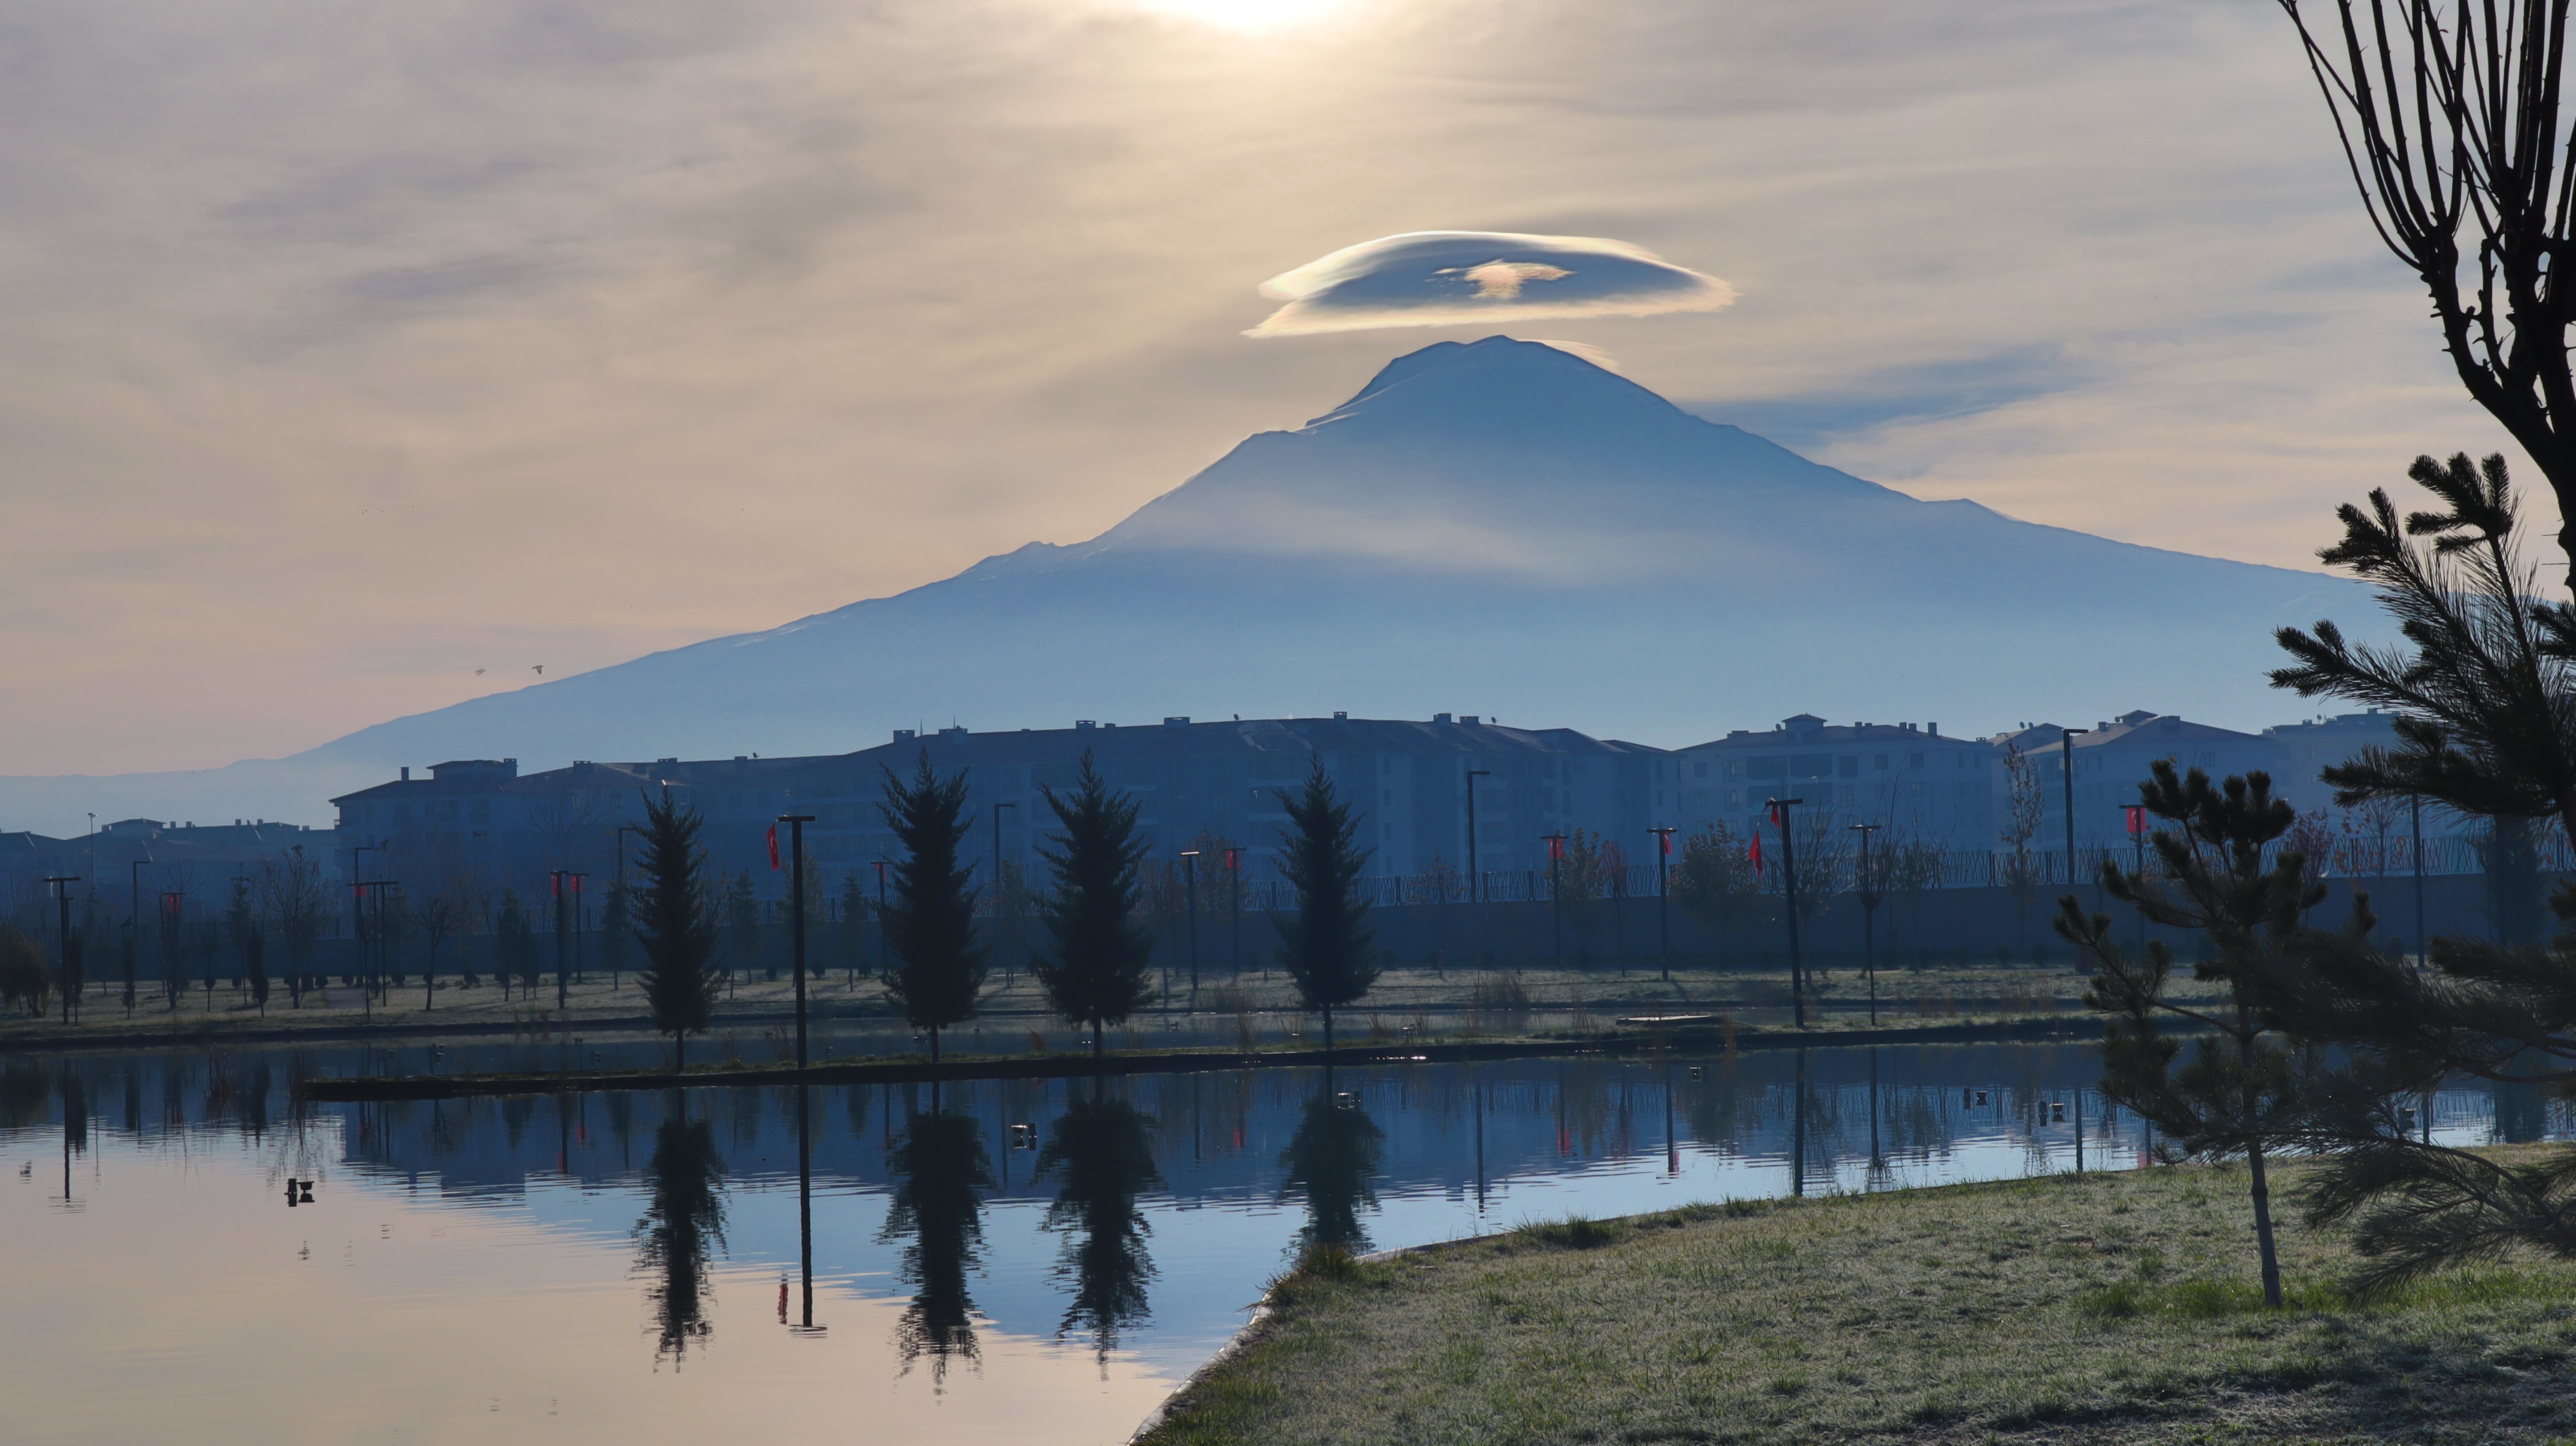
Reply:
x=514 y=945
x=1097 y=966
x=673 y=927
x=937 y=970
x=1327 y=945
x=2246 y=1091
x=250 y=939
x=2483 y=683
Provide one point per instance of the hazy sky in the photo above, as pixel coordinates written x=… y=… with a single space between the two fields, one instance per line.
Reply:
x=354 y=348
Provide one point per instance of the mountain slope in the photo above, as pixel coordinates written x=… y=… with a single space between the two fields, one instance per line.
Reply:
x=1500 y=528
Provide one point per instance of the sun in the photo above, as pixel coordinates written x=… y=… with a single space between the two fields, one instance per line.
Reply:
x=1244 y=15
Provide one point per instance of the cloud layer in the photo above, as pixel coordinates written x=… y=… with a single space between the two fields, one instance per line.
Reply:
x=1475 y=278
x=354 y=349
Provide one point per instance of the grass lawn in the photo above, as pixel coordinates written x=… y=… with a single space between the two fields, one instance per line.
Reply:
x=2107 y=1308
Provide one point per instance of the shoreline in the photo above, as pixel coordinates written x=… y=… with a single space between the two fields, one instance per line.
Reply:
x=913 y=1070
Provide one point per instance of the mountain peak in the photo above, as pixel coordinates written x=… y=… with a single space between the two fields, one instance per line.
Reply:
x=1497 y=372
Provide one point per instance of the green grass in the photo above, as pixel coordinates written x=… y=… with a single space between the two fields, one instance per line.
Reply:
x=2111 y=1308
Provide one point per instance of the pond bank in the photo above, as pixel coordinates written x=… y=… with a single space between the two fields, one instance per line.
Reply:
x=917 y=1070
x=2092 y=1308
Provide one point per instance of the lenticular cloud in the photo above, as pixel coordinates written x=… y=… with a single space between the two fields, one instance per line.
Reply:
x=1442 y=278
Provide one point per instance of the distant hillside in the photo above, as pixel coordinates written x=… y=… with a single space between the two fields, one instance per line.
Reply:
x=1499 y=528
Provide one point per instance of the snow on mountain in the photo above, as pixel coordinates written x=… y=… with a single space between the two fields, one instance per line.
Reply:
x=1500 y=528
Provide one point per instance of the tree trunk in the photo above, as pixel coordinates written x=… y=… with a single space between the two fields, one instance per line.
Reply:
x=1099 y=1038
x=1328 y=1029
x=934 y=1044
x=2261 y=1190
x=679 y=1052
x=2262 y=1193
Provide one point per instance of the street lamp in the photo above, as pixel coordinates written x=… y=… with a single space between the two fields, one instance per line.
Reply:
x=1663 y=894
x=2067 y=749
x=796 y=914
x=1234 y=901
x=566 y=884
x=63 y=938
x=1555 y=891
x=2135 y=816
x=1868 y=920
x=1190 y=891
x=1779 y=808
x=1475 y=880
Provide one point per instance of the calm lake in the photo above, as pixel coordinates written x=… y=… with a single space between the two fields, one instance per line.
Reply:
x=1003 y=1261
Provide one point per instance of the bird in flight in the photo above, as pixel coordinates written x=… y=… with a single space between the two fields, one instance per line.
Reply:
x=541 y=669
x=478 y=672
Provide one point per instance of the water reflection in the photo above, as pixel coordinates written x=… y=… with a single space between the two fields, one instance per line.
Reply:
x=940 y=1172
x=1118 y=1251
x=1102 y=1152
x=682 y=1230
x=1331 y=1160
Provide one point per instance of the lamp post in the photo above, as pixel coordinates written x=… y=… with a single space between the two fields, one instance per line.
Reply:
x=566 y=883
x=63 y=938
x=2067 y=747
x=358 y=909
x=1555 y=891
x=1190 y=893
x=2415 y=824
x=2135 y=816
x=1475 y=880
x=796 y=916
x=1234 y=906
x=1868 y=919
x=882 y=865
x=997 y=852
x=1779 y=808
x=171 y=899
x=1663 y=894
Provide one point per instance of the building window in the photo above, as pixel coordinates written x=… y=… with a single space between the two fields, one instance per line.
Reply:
x=1700 y=769
x=1881 y=764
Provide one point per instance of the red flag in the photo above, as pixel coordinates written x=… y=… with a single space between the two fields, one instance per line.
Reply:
x=1664 y=841
x=1555 y=849
x=1754 y=852
x=773 y=848
x=2137 y=817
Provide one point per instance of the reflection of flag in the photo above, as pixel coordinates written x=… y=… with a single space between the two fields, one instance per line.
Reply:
x=773 y=848
x=1753 y=851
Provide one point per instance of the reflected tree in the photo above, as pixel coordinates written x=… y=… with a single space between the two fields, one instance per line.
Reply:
x=1103 y=1152
x=940 y=1170
x=1330 y=1160
x=682 y=1229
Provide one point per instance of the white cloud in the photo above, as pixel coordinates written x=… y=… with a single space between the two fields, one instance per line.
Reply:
x=1452 y=278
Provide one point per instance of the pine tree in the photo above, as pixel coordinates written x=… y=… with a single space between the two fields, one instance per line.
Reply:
x=250 y=939
x=1327 y=945
x=616 y=930
x=854 y=925
x=1097 y=968
x=2483 y=684
x=2246 y=1090
x=515 y=945
x=937 y=970
x=673 y=928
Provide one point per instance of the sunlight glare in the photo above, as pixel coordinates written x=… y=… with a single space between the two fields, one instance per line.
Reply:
x=1244 y=15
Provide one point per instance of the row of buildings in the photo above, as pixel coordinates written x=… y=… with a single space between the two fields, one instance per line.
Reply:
x=1448 y=790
